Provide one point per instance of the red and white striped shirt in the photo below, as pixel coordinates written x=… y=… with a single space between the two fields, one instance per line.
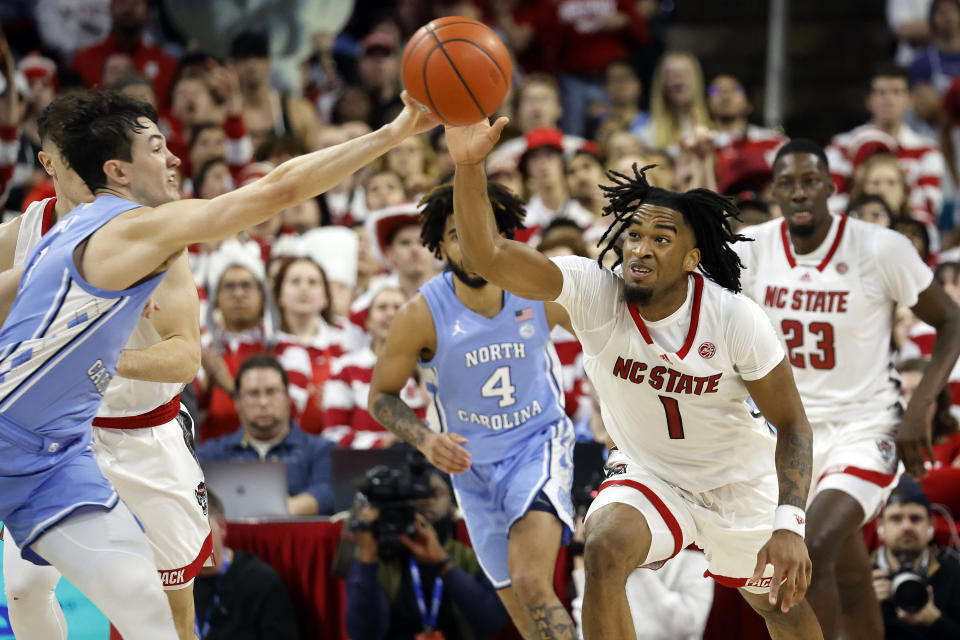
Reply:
x=920 y=159
x=308 y=367
x=345 y=415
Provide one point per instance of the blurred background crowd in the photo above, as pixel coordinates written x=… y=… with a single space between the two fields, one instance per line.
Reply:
x=598 y=85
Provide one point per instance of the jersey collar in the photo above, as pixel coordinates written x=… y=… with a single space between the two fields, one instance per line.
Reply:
x=46 y=221
x=788 y=250
x=694 y=318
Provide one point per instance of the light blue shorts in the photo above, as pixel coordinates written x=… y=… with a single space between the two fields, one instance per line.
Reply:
x=495 y=495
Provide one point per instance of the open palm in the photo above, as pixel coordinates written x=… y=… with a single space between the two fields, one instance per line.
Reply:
x=471 y=144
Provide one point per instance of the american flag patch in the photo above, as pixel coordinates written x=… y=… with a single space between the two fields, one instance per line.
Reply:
x=524 y=314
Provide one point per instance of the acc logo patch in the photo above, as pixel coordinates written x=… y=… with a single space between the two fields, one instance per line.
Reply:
x=620 y=469
x=707 y=350
x=527 y=330
x=842 y=268
x=201 y=492
x=887 y=450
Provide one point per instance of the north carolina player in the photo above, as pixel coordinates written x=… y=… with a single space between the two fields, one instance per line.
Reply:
x=830 y=284
x=496 y=421
x=673 y=355
x=80 y=296
x=142 y=443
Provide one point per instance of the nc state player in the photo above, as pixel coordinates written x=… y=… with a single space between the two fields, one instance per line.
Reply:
x=140 y=442
x=674 y=356
x=830 y=284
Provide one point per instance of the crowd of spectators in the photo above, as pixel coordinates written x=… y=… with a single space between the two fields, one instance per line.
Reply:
x=310 y=294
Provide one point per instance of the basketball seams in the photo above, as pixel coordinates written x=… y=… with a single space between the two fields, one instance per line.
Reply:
x=455 y=70
x=426 y=85
x=411 y=47
x=485 y=52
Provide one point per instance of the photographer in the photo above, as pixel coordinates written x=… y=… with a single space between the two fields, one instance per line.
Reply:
x=395 y=580
x=917 y=586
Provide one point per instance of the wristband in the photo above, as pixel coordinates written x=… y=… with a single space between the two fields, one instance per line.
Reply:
x=790 y=518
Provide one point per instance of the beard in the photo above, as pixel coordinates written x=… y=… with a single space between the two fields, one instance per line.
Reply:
x=636 y=296
x=474 y=282
x=802 y=230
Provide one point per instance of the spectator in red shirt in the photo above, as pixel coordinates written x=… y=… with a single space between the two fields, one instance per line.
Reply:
x=236 y=287
x=888 y=102
x=590 y=35
x=744 y=152
x=128 y=35
x=346 y=419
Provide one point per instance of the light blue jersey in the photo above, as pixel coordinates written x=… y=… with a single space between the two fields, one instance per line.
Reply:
x=58 y=351
x=496 y=381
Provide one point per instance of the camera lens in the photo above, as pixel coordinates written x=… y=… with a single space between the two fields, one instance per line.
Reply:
x=909 y=592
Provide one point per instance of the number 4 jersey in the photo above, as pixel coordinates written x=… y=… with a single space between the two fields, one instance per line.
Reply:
x=671 y=392
x=495 y=381
x=833 y=308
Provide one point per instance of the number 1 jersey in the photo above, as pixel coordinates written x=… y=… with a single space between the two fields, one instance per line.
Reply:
x=833 y=309
x=681 y=411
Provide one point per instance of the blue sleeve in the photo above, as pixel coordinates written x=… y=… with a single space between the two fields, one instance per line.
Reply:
x=368 y=610
x=212 y=450
x=920 y=69
x=319 y=482
x=476 y=599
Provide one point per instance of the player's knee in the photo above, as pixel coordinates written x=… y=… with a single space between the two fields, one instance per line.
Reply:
x=823 y=552
x=530 y=587
x=604 y=559
x=27 y=587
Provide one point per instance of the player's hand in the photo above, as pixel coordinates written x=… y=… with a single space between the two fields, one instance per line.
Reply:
x=914 y=443
x=445 y=451
x=412 y=120
x=425 y=546
x=471 y=144
x=787 y=552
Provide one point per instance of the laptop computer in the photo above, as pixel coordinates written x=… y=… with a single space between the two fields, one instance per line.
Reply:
x=248 y=489
x=349 y=466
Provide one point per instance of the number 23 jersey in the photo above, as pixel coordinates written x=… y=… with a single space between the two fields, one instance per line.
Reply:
x=679 y=409
x=833 y=309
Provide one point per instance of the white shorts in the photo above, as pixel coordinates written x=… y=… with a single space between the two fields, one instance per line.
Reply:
x=730 y=523
x=157 y=474
x=858 y=458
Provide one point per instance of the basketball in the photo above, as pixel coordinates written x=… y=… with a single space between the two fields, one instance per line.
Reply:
x=458 y=69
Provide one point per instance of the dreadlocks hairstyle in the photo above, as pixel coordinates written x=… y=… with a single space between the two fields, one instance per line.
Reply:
x=705 y=211
x=437 y=206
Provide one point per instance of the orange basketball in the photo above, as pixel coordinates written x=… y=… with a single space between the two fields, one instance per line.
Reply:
x=457 y=68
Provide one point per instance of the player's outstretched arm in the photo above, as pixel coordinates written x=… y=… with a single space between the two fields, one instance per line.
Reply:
x=777 y=398
x=914 y=440
x=514 y=266
x=140 y=243
x=176 y=358
x=411 y=332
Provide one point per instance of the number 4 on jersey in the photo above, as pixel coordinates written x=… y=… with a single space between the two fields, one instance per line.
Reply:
x=498 y=386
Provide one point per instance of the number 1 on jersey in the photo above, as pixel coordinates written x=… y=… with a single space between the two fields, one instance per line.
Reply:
x=674 y=421
x=498 y=385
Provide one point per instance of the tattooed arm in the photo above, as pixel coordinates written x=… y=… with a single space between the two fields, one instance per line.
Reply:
x=411 y=336
x=777 y=398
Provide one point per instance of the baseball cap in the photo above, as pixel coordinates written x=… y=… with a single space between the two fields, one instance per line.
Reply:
x=541 y=138
x=909 y=491
x=388 y=221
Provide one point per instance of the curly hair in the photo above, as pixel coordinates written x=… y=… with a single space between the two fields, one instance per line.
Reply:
x=706 y=212
x=437 y=206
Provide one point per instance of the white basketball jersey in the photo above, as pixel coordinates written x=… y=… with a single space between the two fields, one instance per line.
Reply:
x=683 y=414
x=833 y=309
x=123 y=397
